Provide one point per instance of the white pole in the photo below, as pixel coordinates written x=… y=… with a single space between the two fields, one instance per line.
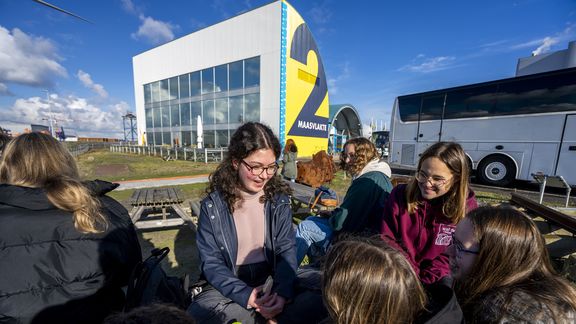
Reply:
x=49 y=113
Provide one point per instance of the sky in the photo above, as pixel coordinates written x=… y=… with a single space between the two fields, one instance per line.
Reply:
x=373 y=51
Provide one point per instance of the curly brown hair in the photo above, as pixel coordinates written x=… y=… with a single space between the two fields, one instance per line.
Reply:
x=365 y=152
x=248 y=138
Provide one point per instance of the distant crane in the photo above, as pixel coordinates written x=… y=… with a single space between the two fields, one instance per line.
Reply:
x=129 y=122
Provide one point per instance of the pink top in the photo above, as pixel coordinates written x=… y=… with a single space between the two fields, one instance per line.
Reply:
x=250 y=228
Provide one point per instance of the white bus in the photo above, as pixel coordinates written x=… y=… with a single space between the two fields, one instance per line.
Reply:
x=509 y=128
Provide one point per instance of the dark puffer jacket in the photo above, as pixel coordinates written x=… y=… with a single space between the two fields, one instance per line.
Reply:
x=50 y=272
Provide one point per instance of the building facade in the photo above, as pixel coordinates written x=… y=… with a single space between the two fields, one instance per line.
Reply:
x=262 y=65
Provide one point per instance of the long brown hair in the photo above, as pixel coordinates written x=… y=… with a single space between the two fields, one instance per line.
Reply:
x=365 y=281
x=246 y=139
x=39 y=161
x=365 y=151
x=290 y=146
x=453 y=156
x=513 y=257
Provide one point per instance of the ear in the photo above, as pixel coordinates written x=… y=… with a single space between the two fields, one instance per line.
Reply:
x=235 y=164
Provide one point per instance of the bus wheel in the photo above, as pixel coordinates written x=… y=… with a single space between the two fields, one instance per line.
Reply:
x=496 y=170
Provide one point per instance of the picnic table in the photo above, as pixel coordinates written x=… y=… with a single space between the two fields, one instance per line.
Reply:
x=157 y=198
x=303 y=197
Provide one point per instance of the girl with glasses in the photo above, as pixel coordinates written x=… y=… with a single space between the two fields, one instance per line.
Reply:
x=419 y=217
x=245 y=235
x=503 y=272
x=361 y=208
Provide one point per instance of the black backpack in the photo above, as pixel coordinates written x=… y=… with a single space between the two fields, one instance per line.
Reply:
x=149 y=284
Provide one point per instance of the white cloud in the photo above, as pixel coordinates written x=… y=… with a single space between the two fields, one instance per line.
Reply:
x=28 y=60
x=421 y=64
x=88 y=83
x=333 y=83
x=86 y=118
x=4 y=90
x=545 y=46
x=154 y=31
x=320 y=14
x=130 y=8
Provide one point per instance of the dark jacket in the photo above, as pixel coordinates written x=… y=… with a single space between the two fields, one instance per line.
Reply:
x=442 y=307
x=424 y=235
x=217 y=243
x=362 y=207
x=50 y=272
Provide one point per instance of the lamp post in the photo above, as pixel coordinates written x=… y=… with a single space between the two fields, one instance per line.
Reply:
x=49 y=113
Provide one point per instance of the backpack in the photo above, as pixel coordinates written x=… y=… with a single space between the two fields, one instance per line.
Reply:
x=149 y=284
x=325 y=196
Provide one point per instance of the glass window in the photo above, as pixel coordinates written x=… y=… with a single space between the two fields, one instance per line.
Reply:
x=221 y=81
x=409 y=108
x=537 y=95
x=432 y=107
x=185 y=114
x=157 y=115
x=147 y=94
x=222 y=138
x=149 y=119
x=194 y=84
x=186 y=138
x=175 y=115
x=235 y=75
x=155 y=91
x=252 y=72
x=184 y=86
x=173 y=88
x=149 y=137
x=166 y=138
x=164 y=90
x=176 y=139
x=236 y=109
x=208 y=80
x=165 y=116
x=470 y=102
x=209 y=140
x=252 y=107
x=157 y=138
x=221 y=111
x=208 y=112
x=195 y=111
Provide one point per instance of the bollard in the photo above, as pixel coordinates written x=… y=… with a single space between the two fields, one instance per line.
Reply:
x=221 y=154
x=206 y=155
x=194 y=154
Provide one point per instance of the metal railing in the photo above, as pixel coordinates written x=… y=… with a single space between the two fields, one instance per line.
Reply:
x=205 y=155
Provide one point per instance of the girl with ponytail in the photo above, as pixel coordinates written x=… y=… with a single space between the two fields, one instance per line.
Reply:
x=66 y=248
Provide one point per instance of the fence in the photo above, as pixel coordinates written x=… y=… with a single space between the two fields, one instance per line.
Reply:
x=174 y=153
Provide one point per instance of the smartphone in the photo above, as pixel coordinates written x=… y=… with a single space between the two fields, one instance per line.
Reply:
x=267 y=288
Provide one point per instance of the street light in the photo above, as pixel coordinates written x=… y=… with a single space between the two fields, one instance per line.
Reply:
x=49 y=113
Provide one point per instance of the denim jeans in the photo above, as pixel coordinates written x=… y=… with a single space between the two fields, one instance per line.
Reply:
x=313 y=236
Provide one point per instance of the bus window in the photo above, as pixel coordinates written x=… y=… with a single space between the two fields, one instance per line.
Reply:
x=470 y=102
x=432 y=108
x=409 y=108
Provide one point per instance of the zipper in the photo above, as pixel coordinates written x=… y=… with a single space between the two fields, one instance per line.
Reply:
x=232 y=263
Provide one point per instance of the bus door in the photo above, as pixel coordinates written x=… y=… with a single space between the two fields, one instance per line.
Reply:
x=430 y=121
x=567 y=154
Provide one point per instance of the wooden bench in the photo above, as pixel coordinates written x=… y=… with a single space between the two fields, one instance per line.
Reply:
x=303 y=196
x=157 y=198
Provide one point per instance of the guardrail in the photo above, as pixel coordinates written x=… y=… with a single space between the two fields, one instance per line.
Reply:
x=205 y=155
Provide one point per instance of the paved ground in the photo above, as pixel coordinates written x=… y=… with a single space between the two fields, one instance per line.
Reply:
x=161 y=182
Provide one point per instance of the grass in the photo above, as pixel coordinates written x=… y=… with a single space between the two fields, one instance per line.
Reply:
x=111 y=166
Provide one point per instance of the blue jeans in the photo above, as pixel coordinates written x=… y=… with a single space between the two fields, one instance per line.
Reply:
x=313 y=236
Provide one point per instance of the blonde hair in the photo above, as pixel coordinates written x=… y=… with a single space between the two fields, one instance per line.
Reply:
x=365 y=151
x=453 y=156
x=513 y=258
x=39 y=161
x=365 y=281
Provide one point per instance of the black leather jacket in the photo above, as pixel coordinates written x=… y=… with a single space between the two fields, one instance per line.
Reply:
x=217 y=243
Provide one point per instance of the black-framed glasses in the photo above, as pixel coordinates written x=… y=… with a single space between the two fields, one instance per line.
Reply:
x=257 y=170
x=460 y=248
x=435 y=181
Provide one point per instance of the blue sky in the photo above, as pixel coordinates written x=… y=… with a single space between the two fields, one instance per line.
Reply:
x=373 y=51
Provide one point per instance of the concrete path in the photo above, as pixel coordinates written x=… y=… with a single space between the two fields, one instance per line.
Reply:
x=161 y=182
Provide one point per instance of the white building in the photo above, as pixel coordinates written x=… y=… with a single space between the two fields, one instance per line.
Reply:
x=262 y=65
x=558 y=60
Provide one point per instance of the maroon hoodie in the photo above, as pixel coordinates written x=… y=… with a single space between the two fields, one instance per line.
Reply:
x=422 y=236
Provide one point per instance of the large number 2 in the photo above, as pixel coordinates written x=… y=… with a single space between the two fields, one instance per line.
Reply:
x=302 y=43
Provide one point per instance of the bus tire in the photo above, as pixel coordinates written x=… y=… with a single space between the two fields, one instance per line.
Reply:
x=496 y=170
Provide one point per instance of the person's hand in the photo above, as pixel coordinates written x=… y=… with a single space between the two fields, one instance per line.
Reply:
x=273 y=306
